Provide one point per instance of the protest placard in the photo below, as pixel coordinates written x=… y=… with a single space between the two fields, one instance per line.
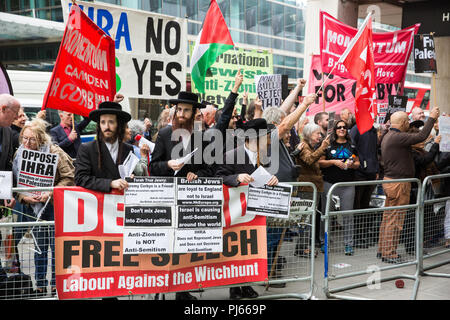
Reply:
x=444 y=132
x=151 y=48
x=6 y=184
x=220 y=79
x=270 y=201
x=424 y=54
x=268 y=89
x=145 y=191
x=391 y=49
x=396 y=103
x=36 y=168
x=201 y=191
x=84 y=72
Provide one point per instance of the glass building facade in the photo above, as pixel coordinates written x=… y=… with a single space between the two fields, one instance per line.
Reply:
x=265 y=24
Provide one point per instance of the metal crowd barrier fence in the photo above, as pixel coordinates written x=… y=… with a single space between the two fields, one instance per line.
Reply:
x=435 y=221
x=291 y=248
x=361 y=263
x=27 y=256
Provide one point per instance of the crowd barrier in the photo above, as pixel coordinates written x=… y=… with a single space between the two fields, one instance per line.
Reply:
x=345 y=259
x=435 y=234
x=421 y=245
x=290 y=252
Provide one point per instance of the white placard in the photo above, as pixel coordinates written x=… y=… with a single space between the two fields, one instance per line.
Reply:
x=148 y=240
x=151 y=49
x=6 y=184
x=190 y=241
x=201 y=191
x=150 y=191
x=444 y=132
x=270 y=201
x=268 y=88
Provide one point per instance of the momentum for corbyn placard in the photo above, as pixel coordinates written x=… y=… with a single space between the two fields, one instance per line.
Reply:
x=84 y=74
x=391 y=49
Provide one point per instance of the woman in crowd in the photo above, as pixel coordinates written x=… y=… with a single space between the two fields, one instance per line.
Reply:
x=34 y=137
x=307 y=158
x=338 y=165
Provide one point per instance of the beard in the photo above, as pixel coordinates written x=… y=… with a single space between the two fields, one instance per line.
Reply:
x=109 y=139
x=182 y=123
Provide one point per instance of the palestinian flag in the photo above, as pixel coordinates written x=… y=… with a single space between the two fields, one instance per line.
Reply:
x=213 y=40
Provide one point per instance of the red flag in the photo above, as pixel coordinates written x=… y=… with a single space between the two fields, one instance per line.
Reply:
x=358 y=59
x=84 y=74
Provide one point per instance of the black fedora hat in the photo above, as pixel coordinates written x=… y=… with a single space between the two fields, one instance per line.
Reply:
x=255 y=128
x=109 y=107
x=189 y=98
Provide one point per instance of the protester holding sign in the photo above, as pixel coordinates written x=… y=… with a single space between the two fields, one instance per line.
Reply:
x=96 y=166
x=34 y=138
x=338 y=165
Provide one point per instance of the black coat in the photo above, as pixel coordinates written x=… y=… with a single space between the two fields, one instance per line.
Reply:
x=231 y=168
x=7 y=149
x=87 y=173
x=163 y=153
x=59 y=136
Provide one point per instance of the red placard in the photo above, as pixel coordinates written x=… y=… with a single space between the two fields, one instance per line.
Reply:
x=84 y=74
x=391 y=49
x=88 y=250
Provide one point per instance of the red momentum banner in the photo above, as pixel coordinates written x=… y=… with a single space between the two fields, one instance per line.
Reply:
x=84 y=74
x=339 y=93
x=89 y=262
x=391 y=49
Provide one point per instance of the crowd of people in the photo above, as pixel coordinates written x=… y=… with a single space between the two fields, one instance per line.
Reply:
x=291 y=146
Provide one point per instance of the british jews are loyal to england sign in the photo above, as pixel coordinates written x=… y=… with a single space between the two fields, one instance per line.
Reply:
x=90 y=263
x=221 y=75
x=151 y=49
x=391 y=49
x=84 y=72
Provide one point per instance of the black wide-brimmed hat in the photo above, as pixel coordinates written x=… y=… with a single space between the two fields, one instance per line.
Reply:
x=417 y=124
x=255 y=128
x=109 y=107
x=189 y=98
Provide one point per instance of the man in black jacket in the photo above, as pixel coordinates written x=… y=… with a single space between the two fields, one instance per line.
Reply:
x=97 y=162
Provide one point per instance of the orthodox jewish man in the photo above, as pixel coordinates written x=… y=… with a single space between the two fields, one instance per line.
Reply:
x=97 y=162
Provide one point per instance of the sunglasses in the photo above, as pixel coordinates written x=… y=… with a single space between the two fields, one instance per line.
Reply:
x=341 y=127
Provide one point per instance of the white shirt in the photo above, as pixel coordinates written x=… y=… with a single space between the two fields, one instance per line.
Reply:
x=113 y=149
x=253 y=156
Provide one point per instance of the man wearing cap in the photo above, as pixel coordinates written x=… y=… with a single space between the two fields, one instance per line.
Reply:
x=97 y=162
x=182 y=136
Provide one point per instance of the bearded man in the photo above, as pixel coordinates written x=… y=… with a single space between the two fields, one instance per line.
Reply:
x=97 y=162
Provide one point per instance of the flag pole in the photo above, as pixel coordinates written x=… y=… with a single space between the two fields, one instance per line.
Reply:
x=350 y=45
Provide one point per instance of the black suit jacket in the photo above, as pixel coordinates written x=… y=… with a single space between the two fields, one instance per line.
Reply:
x=60 y=137
x=87 y=173
x=7 y=149
x=163 y=153
x=233 y=166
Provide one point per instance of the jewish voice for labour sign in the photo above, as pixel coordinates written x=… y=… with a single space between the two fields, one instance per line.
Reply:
x=151 y=49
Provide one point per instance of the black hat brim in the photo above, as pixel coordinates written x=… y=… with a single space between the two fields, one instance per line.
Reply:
x=193 y=103
x=121 y=115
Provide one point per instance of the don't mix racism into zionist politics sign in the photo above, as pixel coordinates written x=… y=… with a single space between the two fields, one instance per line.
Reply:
x=150 y=49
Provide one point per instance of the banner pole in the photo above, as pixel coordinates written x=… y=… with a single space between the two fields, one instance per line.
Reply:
x=323 y=93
